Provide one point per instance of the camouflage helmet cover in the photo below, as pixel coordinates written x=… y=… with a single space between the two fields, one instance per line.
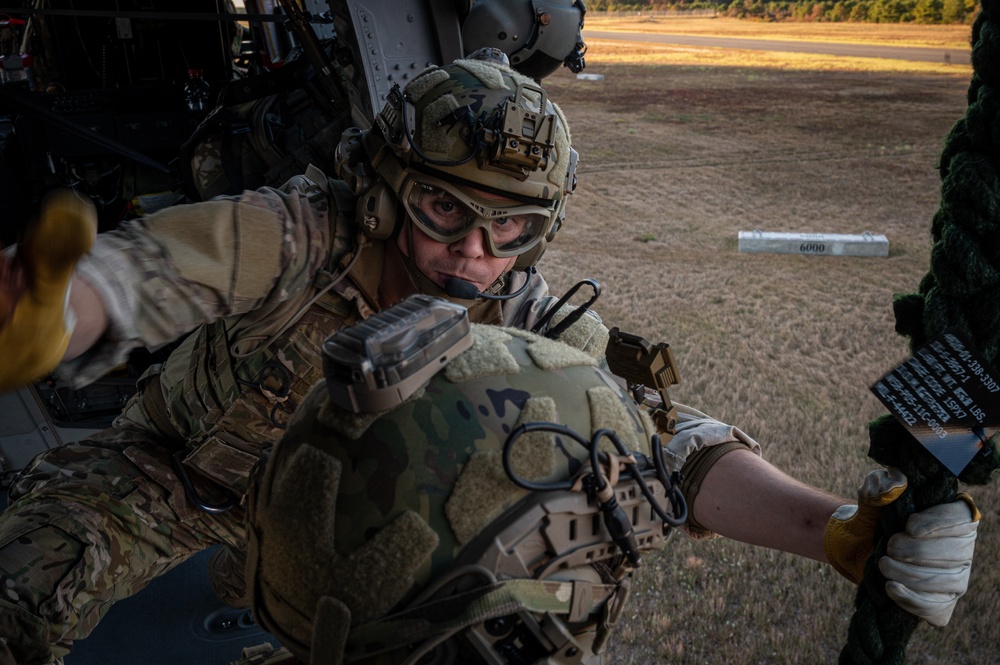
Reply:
x=356 y=513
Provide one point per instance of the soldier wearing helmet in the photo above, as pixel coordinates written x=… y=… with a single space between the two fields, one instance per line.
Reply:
x=253 y=285
x=474 y=158
x=454 y=192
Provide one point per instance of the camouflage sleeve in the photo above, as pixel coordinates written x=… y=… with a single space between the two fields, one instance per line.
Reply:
x=163 y=275
x=524 y=310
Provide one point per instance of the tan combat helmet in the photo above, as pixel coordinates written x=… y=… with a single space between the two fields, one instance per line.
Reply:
x=489 y=514
x=477 y=132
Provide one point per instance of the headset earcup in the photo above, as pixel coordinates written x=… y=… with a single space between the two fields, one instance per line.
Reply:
x=376 y=211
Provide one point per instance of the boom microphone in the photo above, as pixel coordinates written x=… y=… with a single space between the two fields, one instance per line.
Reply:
x=464 y=290
x=461 y=289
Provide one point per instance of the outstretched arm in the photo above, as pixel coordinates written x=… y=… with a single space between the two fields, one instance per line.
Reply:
x=745 y=498
x=926 y=567
x=154 y=279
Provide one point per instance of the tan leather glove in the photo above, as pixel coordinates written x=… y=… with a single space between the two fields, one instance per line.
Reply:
x=850 y=533
x=926 y=566
x=35 y=321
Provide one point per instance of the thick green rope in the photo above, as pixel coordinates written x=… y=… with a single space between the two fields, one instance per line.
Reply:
x=961 y=291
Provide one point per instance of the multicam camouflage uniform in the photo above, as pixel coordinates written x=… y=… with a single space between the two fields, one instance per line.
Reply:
x=94 y=522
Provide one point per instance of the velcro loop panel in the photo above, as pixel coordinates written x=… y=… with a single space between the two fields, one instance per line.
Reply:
x=296 y=522
x=550 y=354
x=488 y=74
x=479 y=496
x=434 y=137
x=424 y=81
x=533 y=454
x=608 y=412
x=488 y=356
x=330 y=628
x=483 y=490
x=588 y=333
x=377 y=576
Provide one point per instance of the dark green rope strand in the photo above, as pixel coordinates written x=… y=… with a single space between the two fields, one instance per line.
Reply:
x=961 y=291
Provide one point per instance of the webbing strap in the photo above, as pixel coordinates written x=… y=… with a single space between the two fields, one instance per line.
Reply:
x=577 y=598
x=156 y=407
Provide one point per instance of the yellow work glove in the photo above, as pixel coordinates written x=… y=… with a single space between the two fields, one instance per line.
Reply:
x=35 y=322
x=850 y=533
x=926 y=566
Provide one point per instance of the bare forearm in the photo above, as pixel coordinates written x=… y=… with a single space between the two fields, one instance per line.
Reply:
x=744 y=498
x=91 y=318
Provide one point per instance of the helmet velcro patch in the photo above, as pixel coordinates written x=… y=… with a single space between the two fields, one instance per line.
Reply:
x=549 y=354
x=424 y=81
x=299 y=553
x=557 y=174
x=532 y=457
x=351 y=425
x=608 y=412
x=299 y=544
x=331 y=626
x=376 y=577
x=483 y=490
x=480 y=495
x=491 y=75
x=489 y=356
x=434 y=137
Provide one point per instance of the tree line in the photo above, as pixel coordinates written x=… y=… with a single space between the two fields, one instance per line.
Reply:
x=862 y=11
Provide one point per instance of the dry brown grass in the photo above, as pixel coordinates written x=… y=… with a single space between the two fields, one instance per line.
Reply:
x=896 y=34
x=606 y=52
x=675 y=160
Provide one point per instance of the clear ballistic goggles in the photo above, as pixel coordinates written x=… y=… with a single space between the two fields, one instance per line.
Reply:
x=447 y=214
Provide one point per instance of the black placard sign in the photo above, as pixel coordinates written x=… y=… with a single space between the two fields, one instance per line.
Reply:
x=947 y=397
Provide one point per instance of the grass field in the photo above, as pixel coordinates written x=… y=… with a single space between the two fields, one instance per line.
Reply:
x=678 y=156
x=897 y=34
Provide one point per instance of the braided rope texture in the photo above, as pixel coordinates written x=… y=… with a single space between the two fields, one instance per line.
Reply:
x=959 y=292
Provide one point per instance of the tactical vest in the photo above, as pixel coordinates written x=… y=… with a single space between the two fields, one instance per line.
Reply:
x=225 y=394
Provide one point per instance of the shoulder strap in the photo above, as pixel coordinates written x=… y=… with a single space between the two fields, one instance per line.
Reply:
x=343 y=226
